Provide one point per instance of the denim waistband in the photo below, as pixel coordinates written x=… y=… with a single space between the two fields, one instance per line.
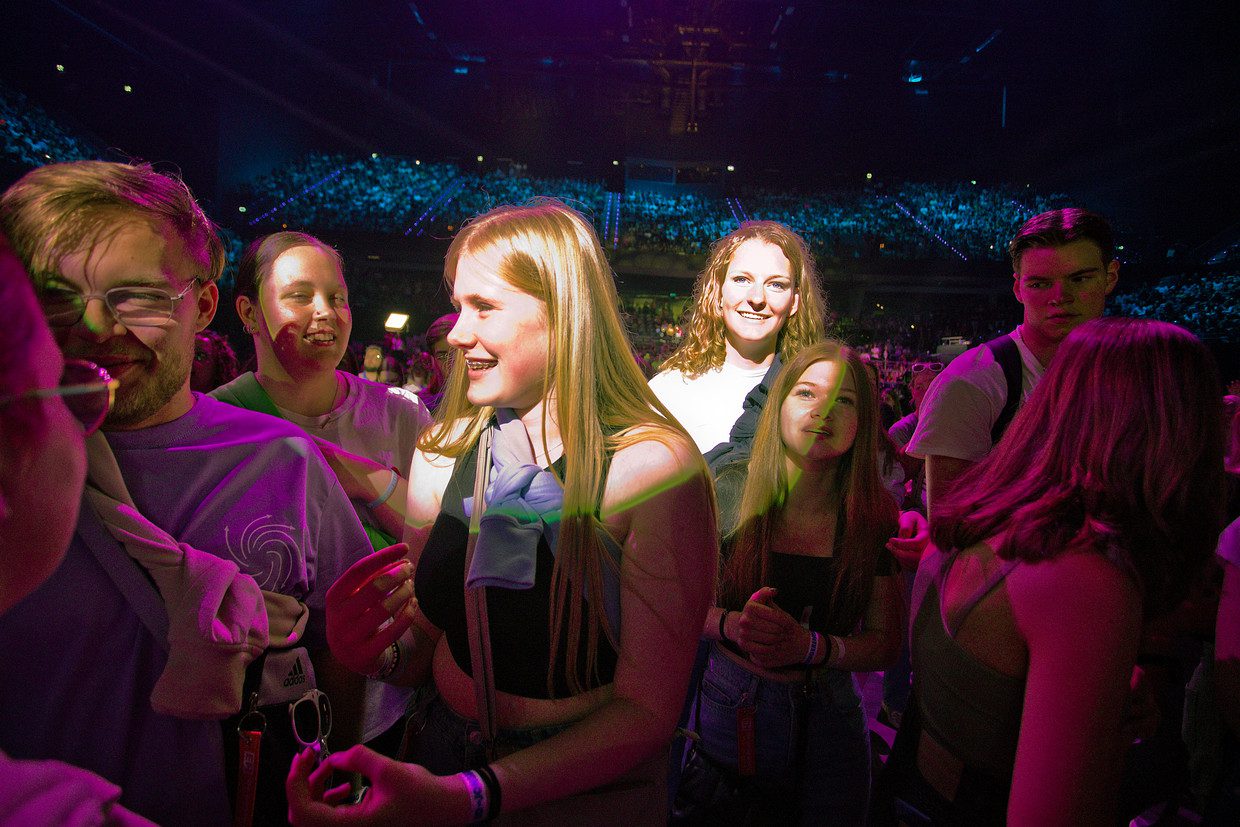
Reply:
x=838 y=686
x=427 y=706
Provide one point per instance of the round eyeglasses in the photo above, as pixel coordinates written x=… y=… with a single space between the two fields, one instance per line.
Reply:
x=87 y=389
x=131 y=306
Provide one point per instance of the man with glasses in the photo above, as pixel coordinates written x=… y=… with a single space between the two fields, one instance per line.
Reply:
x=1064 y=267
x=124 y=264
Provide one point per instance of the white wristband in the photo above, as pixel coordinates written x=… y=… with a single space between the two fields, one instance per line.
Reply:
x=382 y=498
x=838 y=649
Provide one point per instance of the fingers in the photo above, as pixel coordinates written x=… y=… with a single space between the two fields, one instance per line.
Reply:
x=365 y=570
x=769 y=616
x=754 y=631
x=764 y=596
x=913 y=526
x=303 y=793
x=357 y=759
x=338 y=795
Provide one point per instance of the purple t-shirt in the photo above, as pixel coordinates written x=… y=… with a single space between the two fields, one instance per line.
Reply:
x=79 y=661
x=249 y=488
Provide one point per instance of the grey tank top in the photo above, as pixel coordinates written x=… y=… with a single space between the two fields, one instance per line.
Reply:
x=971 y=709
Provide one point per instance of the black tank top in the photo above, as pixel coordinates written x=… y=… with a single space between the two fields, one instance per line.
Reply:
x=519 y=618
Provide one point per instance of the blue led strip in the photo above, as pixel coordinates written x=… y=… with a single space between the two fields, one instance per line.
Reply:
x=615 y=228
x=444 y=202
x=450 y=191
x=293 y=198
x=1024 y=211
x=927 y=228
x=607 y=196
x=727 y=199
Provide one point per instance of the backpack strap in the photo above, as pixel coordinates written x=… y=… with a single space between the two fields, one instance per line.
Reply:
x=130 y=579
x=1008 y=356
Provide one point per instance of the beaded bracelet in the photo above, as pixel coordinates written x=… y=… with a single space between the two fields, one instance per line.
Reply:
x=388 y=662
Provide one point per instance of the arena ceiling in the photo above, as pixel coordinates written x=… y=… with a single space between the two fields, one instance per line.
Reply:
x=1133 y=103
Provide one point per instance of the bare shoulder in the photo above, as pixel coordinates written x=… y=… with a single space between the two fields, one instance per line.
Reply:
x=429 y=474
x=438 y=462
x=1083 y=590
x=658 y=464
x=655 y=455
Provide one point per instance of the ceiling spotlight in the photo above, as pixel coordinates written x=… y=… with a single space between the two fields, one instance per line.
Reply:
x=396 y=322
x=128 y=88
x=731 y=168
x=240 y=209
x=869 y=176
x=480 y=159
x=60 y=67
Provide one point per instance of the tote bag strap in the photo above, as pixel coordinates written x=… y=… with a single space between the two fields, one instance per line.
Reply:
x=476 y=609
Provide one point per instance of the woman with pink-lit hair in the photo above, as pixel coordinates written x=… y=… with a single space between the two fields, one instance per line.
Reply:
x=1093 y=514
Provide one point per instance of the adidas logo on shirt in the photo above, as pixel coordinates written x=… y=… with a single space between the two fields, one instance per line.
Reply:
x=295 y=675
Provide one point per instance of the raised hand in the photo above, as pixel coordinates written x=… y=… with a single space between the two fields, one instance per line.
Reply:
x=768 y=635
x=911 y=540
x=369 y=607
x=399 y=793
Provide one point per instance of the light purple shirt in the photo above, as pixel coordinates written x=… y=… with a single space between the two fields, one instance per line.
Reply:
x=79 y=661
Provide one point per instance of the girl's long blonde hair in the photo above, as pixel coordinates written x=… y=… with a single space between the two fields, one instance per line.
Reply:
x=600 y=397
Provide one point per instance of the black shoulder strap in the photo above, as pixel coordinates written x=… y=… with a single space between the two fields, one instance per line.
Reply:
x=740 y=438
x=1008 y=356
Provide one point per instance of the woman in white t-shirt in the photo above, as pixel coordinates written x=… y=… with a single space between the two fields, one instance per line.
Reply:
x=758 y=295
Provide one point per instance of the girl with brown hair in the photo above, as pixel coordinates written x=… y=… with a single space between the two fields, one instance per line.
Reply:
x=808 y=597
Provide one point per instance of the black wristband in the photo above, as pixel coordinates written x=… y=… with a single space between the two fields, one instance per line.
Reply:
x=723 y=617
x=493 y=791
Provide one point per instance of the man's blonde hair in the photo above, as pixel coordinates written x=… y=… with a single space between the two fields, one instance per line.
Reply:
x=59 y=209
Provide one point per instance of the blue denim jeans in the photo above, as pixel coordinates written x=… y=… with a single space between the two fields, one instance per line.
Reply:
x=445 y=743
x=835 y=777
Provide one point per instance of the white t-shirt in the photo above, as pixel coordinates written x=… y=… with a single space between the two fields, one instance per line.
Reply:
x=709 y=405
x=963 y=403
x=376 y=421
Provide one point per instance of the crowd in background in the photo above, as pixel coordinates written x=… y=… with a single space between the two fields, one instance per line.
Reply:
x=906 y=220
x=396 y=194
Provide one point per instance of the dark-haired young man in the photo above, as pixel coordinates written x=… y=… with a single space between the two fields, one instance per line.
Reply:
x=1064 y=267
